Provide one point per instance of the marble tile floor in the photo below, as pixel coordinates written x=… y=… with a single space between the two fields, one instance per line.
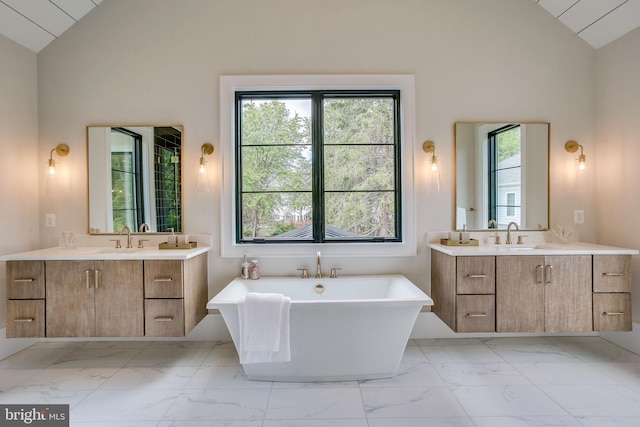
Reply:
x=465 y=382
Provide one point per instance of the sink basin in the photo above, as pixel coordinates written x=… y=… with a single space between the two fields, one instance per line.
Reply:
x=118 y=250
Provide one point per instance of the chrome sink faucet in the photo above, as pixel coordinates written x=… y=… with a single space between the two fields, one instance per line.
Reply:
x=508 y=242
x=128 y=230
x=318 y=266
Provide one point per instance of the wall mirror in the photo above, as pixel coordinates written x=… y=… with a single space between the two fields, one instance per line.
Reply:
x=502 y=175
x=135 y=178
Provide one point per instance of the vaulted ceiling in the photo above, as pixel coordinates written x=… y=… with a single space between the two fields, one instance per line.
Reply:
x=36 y=23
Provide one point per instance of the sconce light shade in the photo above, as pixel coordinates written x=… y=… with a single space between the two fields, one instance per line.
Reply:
x=202 y=177
x=54 y=184
x=61 y=150
x=571 y=147
x=433 y=183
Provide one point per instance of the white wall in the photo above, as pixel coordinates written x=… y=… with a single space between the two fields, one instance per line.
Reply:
x=618 y=149
x=159 y=61
x=19 y=160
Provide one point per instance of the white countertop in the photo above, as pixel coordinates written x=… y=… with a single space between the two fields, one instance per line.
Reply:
x=105 y=253
x=576 y=248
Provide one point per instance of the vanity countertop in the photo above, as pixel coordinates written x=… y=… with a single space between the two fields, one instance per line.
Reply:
x=576 y=248
x=105 y=253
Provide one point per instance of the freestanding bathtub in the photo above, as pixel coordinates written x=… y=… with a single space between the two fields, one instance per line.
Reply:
x=348 y=328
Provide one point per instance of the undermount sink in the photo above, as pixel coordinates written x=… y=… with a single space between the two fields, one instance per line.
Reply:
x=118 y=250
x=516 y=247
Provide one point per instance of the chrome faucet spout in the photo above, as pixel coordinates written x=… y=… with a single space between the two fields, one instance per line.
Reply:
x=318 y=266
x=128 y=230
x=508 y=242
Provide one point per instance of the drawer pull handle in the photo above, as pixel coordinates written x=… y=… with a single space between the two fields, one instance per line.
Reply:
x=23 y=280
x=86 y=278
x=164 y=319
x=476 y=276
x=23 y=319
x=613 y=313
x=163 y=279
x=612 y=274
x=539 y=274
x=476 y=314
x=96 y=278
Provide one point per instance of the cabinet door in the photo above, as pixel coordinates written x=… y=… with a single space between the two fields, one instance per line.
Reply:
x=70 y=310
x=611 y=273
x=119 y=301
x=25 y=279
x=476 y=275
x=520 y=294
x=568 y=297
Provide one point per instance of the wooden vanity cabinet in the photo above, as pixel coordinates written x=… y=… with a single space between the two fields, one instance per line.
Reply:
x=612 y=293
x=176 y=294
x=25 y=299
x=469 y=306
x=543 y=293
x=94 y=298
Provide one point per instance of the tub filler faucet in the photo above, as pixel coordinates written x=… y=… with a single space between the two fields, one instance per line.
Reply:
x=318 y=266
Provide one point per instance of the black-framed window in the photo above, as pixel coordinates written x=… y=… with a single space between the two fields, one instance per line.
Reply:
x=317 y=166
x=505 y=174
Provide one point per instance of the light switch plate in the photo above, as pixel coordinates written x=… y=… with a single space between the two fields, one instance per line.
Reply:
x=578 y=217
x=50 y=220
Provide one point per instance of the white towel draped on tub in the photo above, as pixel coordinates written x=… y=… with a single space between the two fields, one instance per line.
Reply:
x=264 y=328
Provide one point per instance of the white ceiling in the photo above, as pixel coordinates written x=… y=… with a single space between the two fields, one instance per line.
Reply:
x=597 y=22
x=36 y=23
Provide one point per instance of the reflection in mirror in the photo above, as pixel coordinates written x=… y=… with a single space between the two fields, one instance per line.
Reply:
x=502 y=175
x=135 y=178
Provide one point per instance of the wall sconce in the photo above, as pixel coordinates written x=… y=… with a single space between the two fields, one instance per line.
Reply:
x=572 y=147
x=434 y=171
x=202 y=179
x=62 y=150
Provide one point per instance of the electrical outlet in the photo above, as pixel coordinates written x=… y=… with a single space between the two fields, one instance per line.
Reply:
x=50 y=220
x=578 y=217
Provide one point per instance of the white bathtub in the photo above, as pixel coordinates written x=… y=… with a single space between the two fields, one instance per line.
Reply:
x=356 y=329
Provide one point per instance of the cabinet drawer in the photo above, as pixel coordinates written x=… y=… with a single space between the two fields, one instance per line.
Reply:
x=163 y=279
x=163 y=317
x=476 y=275
x=476 y=313
x=612 y=312
x=25 y=279
x=611 y=273
x=25 y=318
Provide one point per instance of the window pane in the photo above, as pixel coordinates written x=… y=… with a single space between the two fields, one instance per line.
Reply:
x=358 y=214
x=359 y=167
x=276 y=168
x=358 y=121
x=272 y=214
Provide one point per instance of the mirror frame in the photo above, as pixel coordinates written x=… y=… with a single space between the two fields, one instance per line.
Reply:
x=182 y=172
x=455 y=173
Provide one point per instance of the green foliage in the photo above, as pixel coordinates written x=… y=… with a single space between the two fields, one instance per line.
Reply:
x=358 y=177
x=508 y=143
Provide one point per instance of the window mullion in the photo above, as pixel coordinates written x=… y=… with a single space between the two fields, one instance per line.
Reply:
x=317 y=147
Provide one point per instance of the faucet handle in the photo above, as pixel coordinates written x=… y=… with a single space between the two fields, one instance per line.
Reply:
x=305 y=273
x=141 y=243
x=497 y=236
x=118 y=245
x=334 y=273
x=520 y=241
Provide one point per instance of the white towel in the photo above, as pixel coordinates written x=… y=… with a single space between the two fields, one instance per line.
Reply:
x=264 y=328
